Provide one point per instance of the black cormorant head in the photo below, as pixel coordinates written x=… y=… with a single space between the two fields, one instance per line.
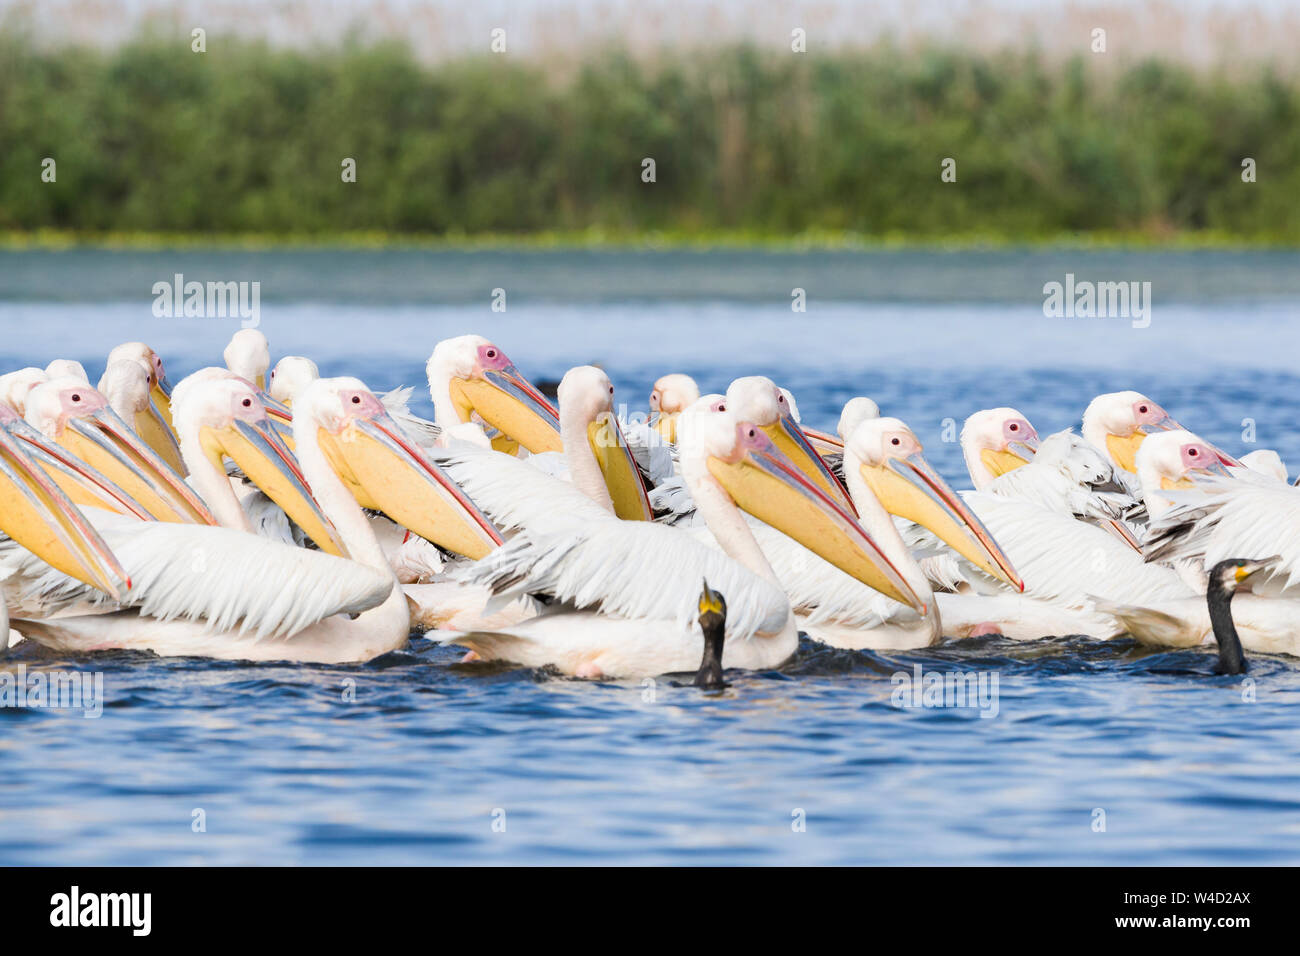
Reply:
x=1237 y=574
x=713 y=609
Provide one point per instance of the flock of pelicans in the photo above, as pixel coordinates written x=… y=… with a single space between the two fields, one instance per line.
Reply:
x=287 y=516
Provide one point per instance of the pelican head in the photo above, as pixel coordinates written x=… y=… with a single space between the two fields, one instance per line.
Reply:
x=757 y=399
x=1174 y=460
x=669 y=398
x=14 y=387
x=60 y=368
x=586 y=398
x=855 y=412
x=468 y=375
x=162 y=389
x=225 y=418
x=78 y=417
x=342 y=420
x=248 y=355
x=128 y=386
x=290 y=376
x=1118 y=423
x=723 y=456
x=995 y=441
x=36 y=513
x=888 y=458
x=1265 y=461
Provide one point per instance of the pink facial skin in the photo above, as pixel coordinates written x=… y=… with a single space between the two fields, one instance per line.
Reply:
x=491 y=358
x=75 y=402
x=783 y=405
x=900 y=445
x=751 y=438
x=247 y=408
x=1017 y=429
x=1198 y=457
x=360 y=404
x=1148 y=413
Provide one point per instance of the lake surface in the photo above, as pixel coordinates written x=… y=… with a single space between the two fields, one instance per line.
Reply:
x=414 y=758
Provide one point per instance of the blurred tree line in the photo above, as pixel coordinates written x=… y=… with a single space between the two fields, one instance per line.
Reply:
x=250 y=138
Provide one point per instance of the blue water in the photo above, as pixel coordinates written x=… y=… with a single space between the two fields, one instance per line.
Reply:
x=414 y=758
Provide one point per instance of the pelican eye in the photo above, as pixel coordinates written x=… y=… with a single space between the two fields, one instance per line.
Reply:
x=356 y=399
x=248 y=403
x=491 y=353
x=895 y=441
x=1142 y=409
x=1192 y=453
x=76 y=397
x=611 y=390
x=1014 y=427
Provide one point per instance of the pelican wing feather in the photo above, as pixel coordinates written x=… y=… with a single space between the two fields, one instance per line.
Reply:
x=632 y=570
x=229 y=580
x=1246 y=516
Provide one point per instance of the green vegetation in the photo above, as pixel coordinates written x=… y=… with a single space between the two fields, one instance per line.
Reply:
x=151 y=139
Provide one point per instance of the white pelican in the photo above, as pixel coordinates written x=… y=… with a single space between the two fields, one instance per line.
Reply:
x=627 y=592
x=855 y=411
x=162 y=389
x=14 y=387
x=77 y=416
x=127 y=385
x=1118 y=422
x=249 y=356
x=261 y=600
x=225 y=418
x=1064 y=564
x=471 y=377
x=38 y=516
x=1199 y=511
x=755 y=398
x=885 y=472
x=1064 y=473
x=1266 y=461
x=671 y=395
x=291 y=375
x=61 y=368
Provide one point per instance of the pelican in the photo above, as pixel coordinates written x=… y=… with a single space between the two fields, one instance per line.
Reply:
x=1199 y=510
x=600 y=463
x=291 y=375
x=249 y=356
x=15 y=386
x=670 y=396
x=127 y=385
x=260 y=600
x=471 y=377
x=38 y=516
x=62 y=368
x=1118 y=422
x=78 y=417
x=1063 y=473
x=627 y=593
x=161 y=389
x=1065 y=564
x=757 y=399
x=225 y=418
x=886 y=473
x=855 y=411
x=1267 y=462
